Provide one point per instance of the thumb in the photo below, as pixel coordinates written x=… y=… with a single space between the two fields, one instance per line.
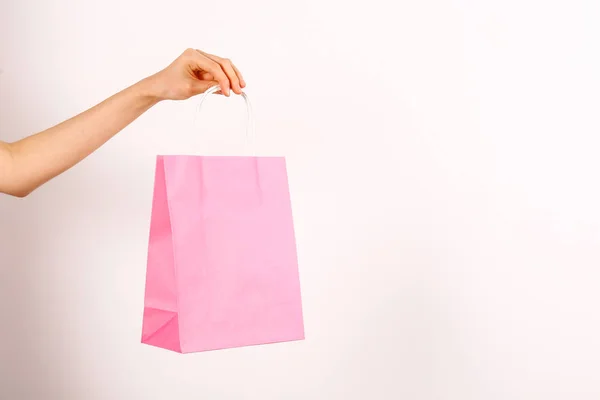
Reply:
x=201 y=86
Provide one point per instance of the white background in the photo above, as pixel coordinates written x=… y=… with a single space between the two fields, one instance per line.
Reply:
x=443 y=163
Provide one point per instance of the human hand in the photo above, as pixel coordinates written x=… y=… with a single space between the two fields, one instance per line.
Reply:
x=192 y=73
x=32 y=161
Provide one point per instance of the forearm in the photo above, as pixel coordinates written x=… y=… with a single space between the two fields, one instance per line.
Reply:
x=38 y=158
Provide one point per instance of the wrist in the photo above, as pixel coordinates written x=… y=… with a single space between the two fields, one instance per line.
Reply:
x=149 y=89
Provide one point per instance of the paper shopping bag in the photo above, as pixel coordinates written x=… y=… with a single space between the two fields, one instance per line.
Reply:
x=222 y=268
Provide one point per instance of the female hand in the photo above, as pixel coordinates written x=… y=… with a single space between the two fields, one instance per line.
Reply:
x=192 y=73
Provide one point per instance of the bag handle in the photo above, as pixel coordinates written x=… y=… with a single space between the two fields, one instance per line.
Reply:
x=250 y=131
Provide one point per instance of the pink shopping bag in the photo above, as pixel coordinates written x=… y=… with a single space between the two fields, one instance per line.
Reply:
x=222 y=268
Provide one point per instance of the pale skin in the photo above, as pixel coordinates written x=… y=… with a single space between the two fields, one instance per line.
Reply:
x=27 y=164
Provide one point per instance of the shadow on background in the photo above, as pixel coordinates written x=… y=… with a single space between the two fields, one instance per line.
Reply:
x=35 y=361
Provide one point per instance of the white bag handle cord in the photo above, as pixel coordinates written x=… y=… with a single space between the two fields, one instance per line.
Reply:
x=250 y=120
